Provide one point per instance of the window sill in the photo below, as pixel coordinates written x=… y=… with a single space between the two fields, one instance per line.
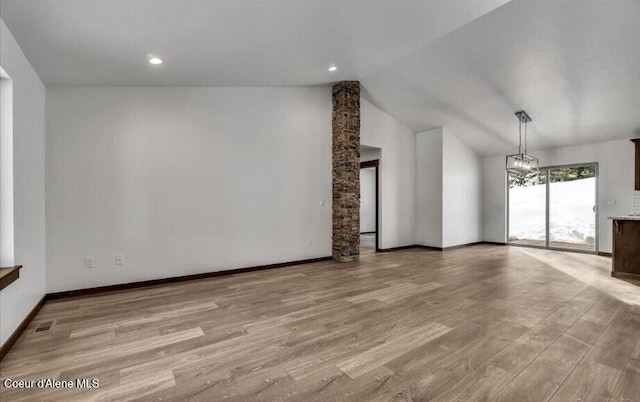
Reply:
x=8 y=275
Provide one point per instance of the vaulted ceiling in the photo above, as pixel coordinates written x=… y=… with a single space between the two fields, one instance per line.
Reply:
x=573 y=65
x=467 y=65
x=226 y=42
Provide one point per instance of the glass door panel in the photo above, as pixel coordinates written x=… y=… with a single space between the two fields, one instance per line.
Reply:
x=572 y=207
x=527 y=211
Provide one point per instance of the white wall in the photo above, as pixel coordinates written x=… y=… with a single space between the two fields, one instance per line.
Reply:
x=370 y=154
x=616 y=182
x=429 y=180
x=367 y=200
x=448 y=191
x=494 y=199
x=461 y=193
x=184 y=180
x=17 y=300
x=397 y=172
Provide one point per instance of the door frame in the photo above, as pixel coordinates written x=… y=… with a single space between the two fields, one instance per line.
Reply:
x=547 y=204
x=375 y=163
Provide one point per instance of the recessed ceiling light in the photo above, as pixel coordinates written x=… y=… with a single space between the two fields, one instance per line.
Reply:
x=333 y=68
x=155 y=60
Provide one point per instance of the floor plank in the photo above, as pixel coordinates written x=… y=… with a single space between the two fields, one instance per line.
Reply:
x=478 y=323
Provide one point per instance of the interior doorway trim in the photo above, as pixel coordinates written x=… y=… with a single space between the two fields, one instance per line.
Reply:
x=375 y=164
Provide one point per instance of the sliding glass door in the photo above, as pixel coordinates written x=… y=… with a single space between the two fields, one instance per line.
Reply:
x=556 y=210
x=572 y=207
x=527 y=211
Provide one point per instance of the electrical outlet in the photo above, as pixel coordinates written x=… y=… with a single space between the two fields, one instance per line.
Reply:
x=611 y=201
x=119 y=259
x=309 y=242
x=88 y=262
x=322 y=203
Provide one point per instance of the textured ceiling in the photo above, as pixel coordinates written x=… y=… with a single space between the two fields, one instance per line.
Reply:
x=226 y=43
x=573 y=65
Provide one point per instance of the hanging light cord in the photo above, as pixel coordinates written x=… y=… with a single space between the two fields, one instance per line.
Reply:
x=525 y=138
x=520 y=136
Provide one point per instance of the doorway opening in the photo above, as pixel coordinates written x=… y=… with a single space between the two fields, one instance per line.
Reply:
x=369 y=190
x=556 y=210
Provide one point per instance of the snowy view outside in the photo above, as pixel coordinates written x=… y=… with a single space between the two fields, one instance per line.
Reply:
x=571 y=211
x=527 y=207
x=571 y=216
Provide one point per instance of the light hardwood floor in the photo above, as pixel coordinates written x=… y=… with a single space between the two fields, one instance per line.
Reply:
x=479 y=323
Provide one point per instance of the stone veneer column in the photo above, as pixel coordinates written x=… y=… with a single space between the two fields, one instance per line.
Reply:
x=346 y=171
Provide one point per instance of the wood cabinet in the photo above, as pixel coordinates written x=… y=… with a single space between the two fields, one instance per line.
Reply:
x=626 y=248
x=636 y=141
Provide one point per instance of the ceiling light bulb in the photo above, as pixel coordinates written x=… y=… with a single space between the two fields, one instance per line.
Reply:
x=333 y=68
x=155 y=60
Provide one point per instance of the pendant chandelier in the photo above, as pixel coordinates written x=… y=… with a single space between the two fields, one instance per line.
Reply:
x=522 y=166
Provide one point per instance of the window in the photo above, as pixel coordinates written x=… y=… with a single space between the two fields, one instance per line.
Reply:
x=6 y=171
